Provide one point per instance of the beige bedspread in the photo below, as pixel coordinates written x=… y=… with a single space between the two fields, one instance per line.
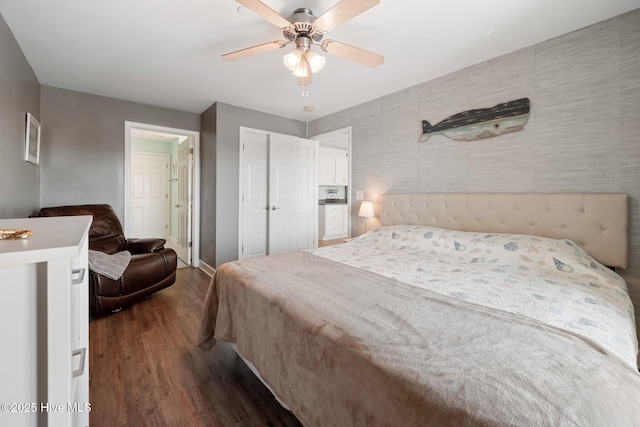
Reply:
x=342 y=346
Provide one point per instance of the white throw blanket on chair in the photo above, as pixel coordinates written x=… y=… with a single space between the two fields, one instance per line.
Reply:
x=111 y=266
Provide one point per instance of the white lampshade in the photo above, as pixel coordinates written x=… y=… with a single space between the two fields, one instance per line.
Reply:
x=292 y=59
x=302 y=62
x=316 y=62
x=366 y=210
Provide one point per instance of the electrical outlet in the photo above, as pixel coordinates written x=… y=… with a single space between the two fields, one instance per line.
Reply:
x=359 y=195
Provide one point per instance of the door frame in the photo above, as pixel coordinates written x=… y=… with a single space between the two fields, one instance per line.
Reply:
x=195 y=217
x=351 y=192
x=179 y=163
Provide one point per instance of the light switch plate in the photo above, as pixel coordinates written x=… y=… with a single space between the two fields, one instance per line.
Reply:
x=359 y=195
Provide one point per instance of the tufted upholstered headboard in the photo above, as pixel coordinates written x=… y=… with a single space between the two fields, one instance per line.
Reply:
x=598 y=222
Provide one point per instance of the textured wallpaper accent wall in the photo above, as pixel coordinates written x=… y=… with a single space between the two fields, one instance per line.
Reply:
x=583 y=133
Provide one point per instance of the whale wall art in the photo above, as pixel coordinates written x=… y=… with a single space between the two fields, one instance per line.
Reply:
x=482 y=123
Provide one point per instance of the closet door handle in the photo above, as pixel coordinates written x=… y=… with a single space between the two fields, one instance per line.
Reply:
x=78 y=280
x=273 y=208
x=82 y=353
x=266 y=207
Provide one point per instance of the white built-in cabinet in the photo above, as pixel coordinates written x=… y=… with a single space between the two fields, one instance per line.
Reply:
x=44 y=323
x=333 y=167
x=332 y=221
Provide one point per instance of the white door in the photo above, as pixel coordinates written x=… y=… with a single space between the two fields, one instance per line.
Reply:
x=255 y=195
x=291 y=193
x=149 y=197
x=184 y=204
x=278 y=193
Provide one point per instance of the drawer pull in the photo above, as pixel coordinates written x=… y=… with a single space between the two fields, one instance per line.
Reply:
x=78 y=280
x=82 y=353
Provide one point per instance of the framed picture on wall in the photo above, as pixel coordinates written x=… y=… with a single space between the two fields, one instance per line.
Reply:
x=32 y=141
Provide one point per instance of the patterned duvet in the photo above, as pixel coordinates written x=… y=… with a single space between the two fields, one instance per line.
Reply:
x=553 y=281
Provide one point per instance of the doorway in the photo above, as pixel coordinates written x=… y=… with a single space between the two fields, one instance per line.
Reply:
x=335 y=147
x=171 y=197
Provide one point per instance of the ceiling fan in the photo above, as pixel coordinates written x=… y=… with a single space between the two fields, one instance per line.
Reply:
x=304 y=29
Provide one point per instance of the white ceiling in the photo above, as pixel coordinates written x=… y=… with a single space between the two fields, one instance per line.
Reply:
x=167 y=52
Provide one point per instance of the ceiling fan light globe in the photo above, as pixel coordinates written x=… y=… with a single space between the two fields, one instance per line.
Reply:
x=316 y=62
x=292 y=60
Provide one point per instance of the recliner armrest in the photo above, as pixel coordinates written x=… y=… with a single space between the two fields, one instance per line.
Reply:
x=141 y=246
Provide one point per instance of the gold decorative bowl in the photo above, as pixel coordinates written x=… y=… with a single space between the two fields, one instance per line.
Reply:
x=14 y=234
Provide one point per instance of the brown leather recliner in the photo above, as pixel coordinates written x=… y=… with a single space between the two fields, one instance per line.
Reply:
x=152 y=266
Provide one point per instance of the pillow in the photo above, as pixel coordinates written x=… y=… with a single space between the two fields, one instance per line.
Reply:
x=507 y=251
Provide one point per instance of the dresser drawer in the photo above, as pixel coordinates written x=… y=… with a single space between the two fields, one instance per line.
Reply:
x=334 y=229
x=334 y=213
x=334 y=217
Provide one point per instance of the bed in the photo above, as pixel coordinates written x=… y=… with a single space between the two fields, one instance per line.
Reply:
x=461 y=309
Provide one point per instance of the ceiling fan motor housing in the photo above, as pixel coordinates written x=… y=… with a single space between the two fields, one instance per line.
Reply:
x=302 y=26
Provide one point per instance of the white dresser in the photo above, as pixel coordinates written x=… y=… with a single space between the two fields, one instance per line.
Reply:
x=44 y=323
x=332 y=221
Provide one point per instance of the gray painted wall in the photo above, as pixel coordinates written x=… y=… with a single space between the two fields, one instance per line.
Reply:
x=83 y=145
x=220 y=143
x=208 y=183
x=19 y=95
x=583 y=132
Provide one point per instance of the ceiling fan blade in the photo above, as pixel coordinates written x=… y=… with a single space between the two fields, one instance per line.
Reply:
x=342 y=12
x=254 y=50
x=353 y=53
x=261 y=9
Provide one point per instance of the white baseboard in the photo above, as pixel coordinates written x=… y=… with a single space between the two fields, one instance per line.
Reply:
x=206 y=268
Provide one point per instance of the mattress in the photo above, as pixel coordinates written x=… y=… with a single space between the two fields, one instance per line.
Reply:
x=553 y=281
x=418 y=325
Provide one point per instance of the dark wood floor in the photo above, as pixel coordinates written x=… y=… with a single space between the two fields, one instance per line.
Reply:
x=147 y=370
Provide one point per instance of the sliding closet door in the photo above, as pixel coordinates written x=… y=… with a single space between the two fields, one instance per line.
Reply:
x=278 y=202
x=291 y=193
